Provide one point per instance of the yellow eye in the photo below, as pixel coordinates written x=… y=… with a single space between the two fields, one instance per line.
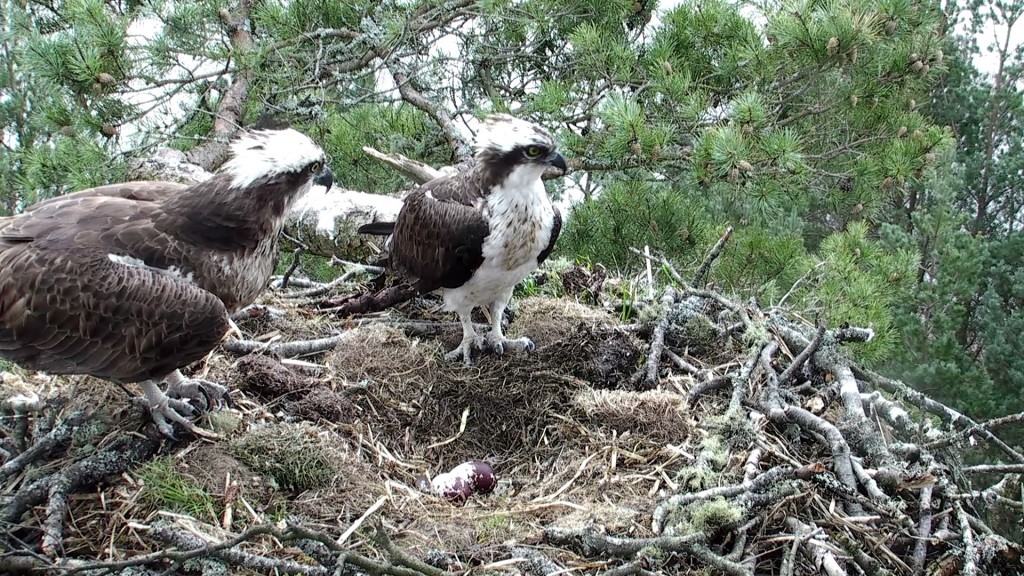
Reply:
x=315 y=167
x=533 y=151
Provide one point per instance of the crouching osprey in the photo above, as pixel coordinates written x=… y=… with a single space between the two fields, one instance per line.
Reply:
x=131 y=282
x=477 y=234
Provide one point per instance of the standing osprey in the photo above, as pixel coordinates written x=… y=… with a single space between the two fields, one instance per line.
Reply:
x=477 y=234
x=131 y=282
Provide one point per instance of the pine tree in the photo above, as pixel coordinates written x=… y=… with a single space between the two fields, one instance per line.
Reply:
x=963 y=324
x=799 y=123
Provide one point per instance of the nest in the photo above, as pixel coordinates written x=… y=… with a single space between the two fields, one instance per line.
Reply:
x=710 y=436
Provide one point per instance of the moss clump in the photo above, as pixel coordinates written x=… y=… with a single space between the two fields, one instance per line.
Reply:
x=713 y=516
x=494 y=529
x=164 y=487
x=714 y=451
x=696 y=478
x=294 y=458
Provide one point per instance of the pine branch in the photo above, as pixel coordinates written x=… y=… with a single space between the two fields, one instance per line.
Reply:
x=213 y=152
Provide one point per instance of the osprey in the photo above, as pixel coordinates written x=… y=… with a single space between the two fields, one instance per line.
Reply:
x=478 y=233
x=131 y=282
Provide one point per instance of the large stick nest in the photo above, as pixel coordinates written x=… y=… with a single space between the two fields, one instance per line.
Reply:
x=702 y=435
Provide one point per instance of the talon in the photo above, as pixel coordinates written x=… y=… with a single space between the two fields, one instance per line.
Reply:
x=499 y=344
x=166 y=410
x=462 y=351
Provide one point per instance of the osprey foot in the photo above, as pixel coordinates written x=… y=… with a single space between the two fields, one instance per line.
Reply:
x=196 y=391
x=166 y=411
x=500 y=344
x=465 y=348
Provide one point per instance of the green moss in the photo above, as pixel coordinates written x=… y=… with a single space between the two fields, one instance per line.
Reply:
x=287 y=454
x=166 y=488
x=493 y=529
x=316 y=268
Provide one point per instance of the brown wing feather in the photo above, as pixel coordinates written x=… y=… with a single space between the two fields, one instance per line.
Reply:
x=439 y=234
x=142 y=191
x=74 y=311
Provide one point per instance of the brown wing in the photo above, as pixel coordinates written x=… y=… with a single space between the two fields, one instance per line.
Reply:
x=113 y=224
x=73 y=310
x=142 y=190
x=556 y=229
x=439 y=234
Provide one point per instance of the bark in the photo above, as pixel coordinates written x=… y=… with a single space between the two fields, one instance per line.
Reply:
x=212 y=153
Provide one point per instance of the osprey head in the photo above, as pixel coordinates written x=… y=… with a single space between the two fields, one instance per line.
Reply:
x=511 y=142
x=286 y=157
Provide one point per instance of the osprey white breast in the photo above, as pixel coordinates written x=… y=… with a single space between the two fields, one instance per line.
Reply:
x=477 y=234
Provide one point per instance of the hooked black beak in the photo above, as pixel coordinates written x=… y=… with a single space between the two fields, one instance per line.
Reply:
x=555 y=159
x=325 y=178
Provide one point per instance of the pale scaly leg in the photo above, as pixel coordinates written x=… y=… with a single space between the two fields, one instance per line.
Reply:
x=470 y=339
x=166 y=411
x=496 y=337
x=169 y=408
x=214 y=395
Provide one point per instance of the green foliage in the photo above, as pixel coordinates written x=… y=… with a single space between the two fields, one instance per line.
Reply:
x=857 y=281
x=312 y=266
x=400 y=129
x=288 y=454
x=633 y=213
x=962 y=323
x=164 y=487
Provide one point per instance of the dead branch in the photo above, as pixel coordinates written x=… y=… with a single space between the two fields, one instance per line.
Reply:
x=275 y=282
x=851 y=334
x=650 y=373
x=590 y=541
x=296 y=259
x=187 y=545
x=126 y=451
x=413 y=96
x=536 y=563
x=924 y=531
x=627 y=569
x=741 y=382
x=322 y=289
x=370 y=301
x=822 y=558
x=285 y=349
x=989 y=425
x=716 y=250
x=834 y=442
x=802 y=357
x=418 y=172
x=226 y=551
x=672 y=272
x=706 y=387
x=994 y=469
x=681 y=362
x=44 y=446
x=970 y=558
x=897 y=417
x=945 y=413
x=762 y=482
